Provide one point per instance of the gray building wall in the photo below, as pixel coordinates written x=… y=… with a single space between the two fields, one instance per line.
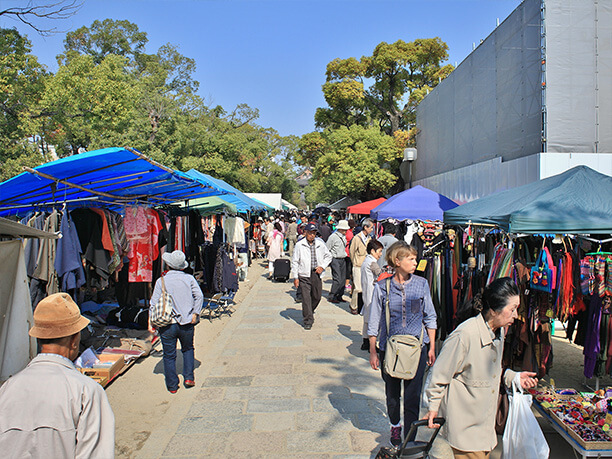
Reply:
x=578 y=102
x=513 y=97
x=490 y=106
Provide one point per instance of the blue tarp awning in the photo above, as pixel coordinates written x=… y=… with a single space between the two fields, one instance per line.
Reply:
x=242 y=202
x=417 y=203
x=576 y=201
x=110 y=177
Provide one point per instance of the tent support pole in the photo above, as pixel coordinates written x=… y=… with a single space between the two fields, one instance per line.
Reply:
x=149 y=160
x=73 y=185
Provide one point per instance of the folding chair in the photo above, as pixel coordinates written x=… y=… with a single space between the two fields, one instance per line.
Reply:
x=226 y=302
x=211 y=307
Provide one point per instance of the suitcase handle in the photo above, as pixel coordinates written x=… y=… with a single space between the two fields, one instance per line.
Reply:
x=423 y=423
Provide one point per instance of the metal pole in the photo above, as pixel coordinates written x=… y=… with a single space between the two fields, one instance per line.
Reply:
x=409 y=174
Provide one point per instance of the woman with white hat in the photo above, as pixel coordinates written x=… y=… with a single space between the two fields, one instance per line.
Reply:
x=187 y=299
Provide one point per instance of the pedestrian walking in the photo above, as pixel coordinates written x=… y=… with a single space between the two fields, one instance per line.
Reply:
x=358 y=252
x=291 y=235
x=465 y=379
x=187 y=299
x=369 y=274
x=275 y=247
x=50 y=409
x=411 y=310
x=337 y=247
x=310 y=258
x=387 y=239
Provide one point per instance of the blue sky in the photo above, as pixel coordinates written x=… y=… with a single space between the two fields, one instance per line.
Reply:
x=272 y=54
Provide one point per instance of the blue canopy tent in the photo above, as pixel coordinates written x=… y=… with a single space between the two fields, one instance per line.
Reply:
x=240 y=200
x=417 y=203
x=576 y=201
x=110 y=177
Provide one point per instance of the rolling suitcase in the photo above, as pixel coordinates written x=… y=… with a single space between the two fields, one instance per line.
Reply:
x=282 y=268
x=412 y=449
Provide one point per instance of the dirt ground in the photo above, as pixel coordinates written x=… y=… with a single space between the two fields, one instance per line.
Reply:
x=139 y=397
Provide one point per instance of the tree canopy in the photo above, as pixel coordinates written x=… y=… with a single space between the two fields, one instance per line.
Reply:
x=374 y=97
x=383 y=89
x=108 y=91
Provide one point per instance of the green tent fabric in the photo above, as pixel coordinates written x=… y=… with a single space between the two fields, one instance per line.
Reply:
x=211 y=205
x=576 y=201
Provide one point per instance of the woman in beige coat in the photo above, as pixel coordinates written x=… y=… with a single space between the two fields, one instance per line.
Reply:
x=465 y=379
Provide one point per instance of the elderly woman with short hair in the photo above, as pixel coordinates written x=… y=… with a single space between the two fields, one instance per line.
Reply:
x=187 y=301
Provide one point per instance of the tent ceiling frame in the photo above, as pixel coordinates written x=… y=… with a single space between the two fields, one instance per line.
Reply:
x=82 y=188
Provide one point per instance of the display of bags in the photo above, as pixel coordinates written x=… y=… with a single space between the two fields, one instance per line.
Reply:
x=523 y=437
x=162 y=312
x=403 y=352
x=544 y=273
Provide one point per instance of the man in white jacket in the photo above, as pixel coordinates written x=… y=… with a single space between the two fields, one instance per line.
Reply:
x=310 y=258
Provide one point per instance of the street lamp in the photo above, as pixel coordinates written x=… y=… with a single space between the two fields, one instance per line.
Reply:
x=410 y=155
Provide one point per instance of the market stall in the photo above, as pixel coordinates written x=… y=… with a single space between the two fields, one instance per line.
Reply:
x=416 y=203
x=554 y=238
x=113 y=208
x=364 y=208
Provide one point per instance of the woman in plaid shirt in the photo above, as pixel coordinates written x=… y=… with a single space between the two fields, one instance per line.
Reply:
x=411 y=310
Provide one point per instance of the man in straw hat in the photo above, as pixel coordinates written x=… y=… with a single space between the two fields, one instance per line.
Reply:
x=50 y=409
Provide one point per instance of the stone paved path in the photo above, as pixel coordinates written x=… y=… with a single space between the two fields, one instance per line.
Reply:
x=274 y=389
x=270 y=389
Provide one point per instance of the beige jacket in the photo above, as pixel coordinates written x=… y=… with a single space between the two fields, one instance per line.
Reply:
x=464 y=385
x=357 y=249
x=49 y=409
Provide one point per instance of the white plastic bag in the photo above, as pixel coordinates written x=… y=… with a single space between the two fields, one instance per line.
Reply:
x=523 y=437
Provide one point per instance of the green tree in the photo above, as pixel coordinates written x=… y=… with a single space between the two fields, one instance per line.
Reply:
x=22 y=81
x=89 y=106
x=356 y=161
x=119 y=37
x=383 y=89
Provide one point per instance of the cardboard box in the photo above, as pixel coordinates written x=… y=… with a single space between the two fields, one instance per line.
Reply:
x=118 y=362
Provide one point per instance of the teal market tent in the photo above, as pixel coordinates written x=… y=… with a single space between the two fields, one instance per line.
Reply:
x=238 y=199
x=577 y=201
x=110 y=177
x=211 y=205
x=417 y=203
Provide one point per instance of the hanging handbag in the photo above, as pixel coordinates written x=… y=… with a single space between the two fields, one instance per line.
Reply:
x=503 y=406
x=403 y=352
x=543 y=274
x=162 y=312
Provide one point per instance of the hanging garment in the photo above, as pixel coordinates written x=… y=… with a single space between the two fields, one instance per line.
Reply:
x=592 y=345
x=89 y=228
x=136 y=222
x=45 y=270
x=32 y=244
x=143 y=251
x=225 y=278
x=68 y=264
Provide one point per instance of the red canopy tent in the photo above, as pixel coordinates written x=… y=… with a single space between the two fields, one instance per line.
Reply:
x=365 y=207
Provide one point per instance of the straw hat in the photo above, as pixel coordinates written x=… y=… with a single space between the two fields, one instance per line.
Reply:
x=175 y=260
x=343 y=225
x=57 y=316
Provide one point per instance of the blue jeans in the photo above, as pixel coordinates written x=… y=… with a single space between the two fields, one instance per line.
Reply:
x=168 y=336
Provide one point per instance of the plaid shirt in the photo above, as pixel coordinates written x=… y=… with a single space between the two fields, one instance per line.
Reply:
x=313 y=256
x=410 y=308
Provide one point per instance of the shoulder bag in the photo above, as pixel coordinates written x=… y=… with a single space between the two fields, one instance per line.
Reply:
x=162 y=312
x=544 y=273
x=403 y=352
